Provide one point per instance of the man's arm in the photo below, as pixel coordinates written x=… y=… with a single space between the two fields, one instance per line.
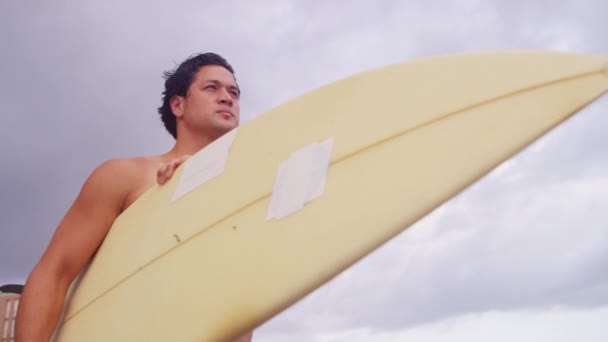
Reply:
x=76 y=239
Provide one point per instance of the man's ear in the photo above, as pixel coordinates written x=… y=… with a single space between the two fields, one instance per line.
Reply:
x=177 y=105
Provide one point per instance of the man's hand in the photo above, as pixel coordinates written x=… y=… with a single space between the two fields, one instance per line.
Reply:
x=165 y=172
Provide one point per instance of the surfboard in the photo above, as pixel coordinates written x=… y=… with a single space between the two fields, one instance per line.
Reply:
x=367 y=155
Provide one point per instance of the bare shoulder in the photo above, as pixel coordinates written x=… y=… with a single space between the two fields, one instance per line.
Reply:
x=123 y=169
x=131 y=177
x=124 y=179
x=124 y=165
x=115 y=172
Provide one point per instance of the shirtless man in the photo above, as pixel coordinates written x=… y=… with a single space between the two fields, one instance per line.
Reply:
x=200 y=104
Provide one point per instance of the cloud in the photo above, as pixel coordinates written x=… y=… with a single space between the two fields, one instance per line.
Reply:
x=81 y=83
x=551 y=324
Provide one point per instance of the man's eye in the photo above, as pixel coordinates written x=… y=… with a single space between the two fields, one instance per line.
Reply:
x=234 y=94
x=211 y=86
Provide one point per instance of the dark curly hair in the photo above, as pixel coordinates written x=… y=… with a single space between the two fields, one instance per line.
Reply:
x=178 y=81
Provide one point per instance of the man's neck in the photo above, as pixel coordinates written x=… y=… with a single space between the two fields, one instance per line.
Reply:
x=186 y=144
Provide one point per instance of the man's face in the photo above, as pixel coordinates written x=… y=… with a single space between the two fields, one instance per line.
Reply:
x=211 y=105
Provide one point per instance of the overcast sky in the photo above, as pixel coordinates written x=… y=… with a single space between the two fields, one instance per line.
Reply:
x=521 y=255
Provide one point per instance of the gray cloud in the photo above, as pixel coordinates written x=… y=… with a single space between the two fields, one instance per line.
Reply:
x=81 y=82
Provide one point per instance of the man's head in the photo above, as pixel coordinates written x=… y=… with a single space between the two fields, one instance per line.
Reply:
x=202 y=93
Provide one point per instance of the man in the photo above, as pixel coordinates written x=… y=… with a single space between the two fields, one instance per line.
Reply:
x=200 y=104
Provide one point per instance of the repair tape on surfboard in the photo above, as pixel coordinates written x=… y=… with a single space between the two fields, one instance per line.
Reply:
x=300 y=179
x=205 y=165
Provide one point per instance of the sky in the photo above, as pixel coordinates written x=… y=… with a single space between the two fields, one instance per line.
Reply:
x=520 y=255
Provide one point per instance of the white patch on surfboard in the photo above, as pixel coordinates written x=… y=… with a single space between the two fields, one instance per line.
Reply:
x=204 y=165
x=300 y=179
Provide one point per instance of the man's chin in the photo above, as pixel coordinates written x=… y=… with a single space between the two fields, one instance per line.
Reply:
x=222 y=129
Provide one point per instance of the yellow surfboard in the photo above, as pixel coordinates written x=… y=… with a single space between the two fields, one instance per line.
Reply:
x=367 y=156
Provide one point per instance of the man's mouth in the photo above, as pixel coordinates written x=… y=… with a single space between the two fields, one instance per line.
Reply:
x=226 y=113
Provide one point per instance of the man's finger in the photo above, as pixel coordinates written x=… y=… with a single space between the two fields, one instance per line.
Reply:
x=179 y=161
x=165 y=172
x=161 y=174
x=175 y=164
x=170 y=171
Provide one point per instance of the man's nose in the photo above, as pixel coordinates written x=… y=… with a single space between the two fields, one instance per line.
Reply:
x=225 y=97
